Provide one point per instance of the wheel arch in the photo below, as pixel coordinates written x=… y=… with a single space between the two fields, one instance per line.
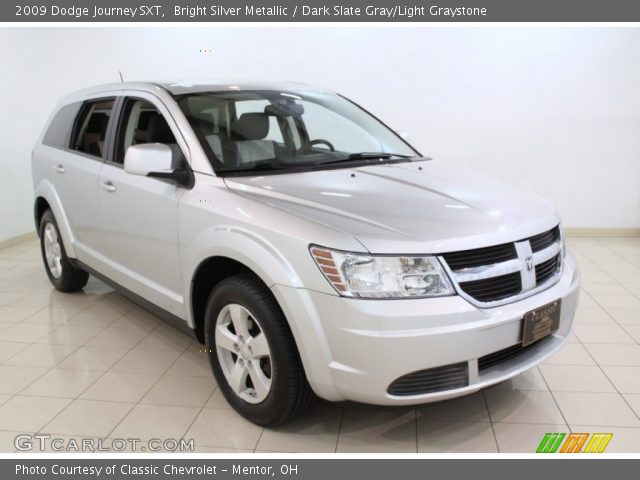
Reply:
x=47 y=198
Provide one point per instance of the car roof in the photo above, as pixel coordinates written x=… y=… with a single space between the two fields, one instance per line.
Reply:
x=185 y=87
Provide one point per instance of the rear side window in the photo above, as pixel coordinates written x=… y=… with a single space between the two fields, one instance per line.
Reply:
x=59 y=132
x=90 y=128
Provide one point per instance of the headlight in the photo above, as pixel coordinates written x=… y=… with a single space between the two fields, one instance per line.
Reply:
x=381 y=276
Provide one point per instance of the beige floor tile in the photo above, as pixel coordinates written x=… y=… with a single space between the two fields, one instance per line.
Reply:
x=576 y=378
x=17 y=314
x=32 y=300
x=634 y=331
x=4 y=397
x=624 y=440
x=223 y=428
x=112 y=337
x=120 y=387
x=205 y=449
x=9 y=349
x=316 y=431
x=617 y=301
x=633 y=399
x=70 y=335
x=146 y=361
x=218 y=401
x=88 y=417
x=13 y=378
x=625 y=316
x=455 y=437
x=370 y=429
x=587 y=301
x=62 y=383
x=98 y=315
x=615 y=355
x=22 y=413
x=21 y=332
x=529 y=380
x=93 y=358
x=8 y=441
x=137 y=320
x=471 y=408
x=593 y=316
x=571 y=354
x=181 y=391
x=522 y=407
x=49 y=316
x=156 y=421
x=604 y=288
x=40 y=355
x=193 y=362
x=166 y=338
x=596 y=409
x=7 y=298
x=602 y=334
x=524 y=437
x=626 y=379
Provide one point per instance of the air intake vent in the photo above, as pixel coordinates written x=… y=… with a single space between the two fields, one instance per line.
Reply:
x=546 y=270
x=480 y=256
x=494 y=288
x=542 y=241
x=501 y=356
x=431 y=380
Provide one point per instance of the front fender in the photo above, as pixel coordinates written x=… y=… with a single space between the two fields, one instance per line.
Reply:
x=45 y=189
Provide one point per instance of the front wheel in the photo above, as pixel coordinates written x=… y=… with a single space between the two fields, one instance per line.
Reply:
x=63 y=276
x=252 y=352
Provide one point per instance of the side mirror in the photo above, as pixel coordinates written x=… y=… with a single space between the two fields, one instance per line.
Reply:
x=155 y=160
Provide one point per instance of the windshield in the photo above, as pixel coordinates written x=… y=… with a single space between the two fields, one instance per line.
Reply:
x=248 y=131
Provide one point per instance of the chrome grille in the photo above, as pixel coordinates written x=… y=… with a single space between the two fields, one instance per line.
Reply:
x=500 y=274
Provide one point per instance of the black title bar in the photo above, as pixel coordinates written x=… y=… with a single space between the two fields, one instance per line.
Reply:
x=320 y=11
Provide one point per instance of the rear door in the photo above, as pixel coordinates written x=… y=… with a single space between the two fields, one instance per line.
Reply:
x=139 y=215
x=75 y=176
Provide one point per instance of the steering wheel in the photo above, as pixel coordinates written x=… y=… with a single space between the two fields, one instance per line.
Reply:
x=318 y=141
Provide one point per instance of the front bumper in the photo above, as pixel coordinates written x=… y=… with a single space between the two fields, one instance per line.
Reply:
x=353 y=349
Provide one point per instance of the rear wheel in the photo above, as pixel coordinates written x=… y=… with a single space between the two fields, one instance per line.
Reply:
x=252 y=352
x=64 y=276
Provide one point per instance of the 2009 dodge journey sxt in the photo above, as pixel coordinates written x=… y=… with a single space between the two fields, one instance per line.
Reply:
x=307 y=245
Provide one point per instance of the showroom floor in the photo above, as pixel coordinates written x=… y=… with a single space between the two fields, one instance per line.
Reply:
x=94 y=365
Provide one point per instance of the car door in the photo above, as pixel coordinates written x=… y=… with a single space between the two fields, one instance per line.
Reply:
x=75 y=176
x=139 y=215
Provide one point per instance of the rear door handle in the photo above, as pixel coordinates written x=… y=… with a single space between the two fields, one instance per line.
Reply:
x=59 y=168
x=108 y=186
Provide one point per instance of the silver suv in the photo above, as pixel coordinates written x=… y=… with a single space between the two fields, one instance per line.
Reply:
x=307 y=245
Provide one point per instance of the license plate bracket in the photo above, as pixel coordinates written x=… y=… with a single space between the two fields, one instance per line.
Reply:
x=540 y=323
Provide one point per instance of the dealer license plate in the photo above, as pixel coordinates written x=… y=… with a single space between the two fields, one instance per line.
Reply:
x=540 y=323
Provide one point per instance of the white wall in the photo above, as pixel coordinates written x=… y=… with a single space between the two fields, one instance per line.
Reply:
x=554 y=110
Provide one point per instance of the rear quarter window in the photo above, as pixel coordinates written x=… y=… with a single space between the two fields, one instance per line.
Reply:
x=58 y=133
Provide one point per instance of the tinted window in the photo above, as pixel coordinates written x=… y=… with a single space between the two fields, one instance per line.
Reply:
x=59 y=130
x=90 y=128
x=141 y=122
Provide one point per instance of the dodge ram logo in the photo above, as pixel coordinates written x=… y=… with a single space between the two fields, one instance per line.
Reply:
x=529 y=263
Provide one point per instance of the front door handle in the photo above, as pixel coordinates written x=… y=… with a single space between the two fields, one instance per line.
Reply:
x=59 y=168
x=108 y=186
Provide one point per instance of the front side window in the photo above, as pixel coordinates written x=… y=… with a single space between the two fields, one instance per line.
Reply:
x=90 y=128
x=141 y=122
x=248 y=131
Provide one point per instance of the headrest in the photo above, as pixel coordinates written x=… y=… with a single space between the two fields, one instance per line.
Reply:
x=158 y=130
x=251 y=126
x=98 y=123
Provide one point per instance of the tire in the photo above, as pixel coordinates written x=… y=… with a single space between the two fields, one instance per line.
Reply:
x=62 y=275
x=289 y=393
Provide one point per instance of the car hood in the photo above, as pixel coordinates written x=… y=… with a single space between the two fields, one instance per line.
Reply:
x=411 y=207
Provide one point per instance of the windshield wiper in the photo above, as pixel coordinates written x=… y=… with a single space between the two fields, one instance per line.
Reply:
x=354 y=157
x=258 y=167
